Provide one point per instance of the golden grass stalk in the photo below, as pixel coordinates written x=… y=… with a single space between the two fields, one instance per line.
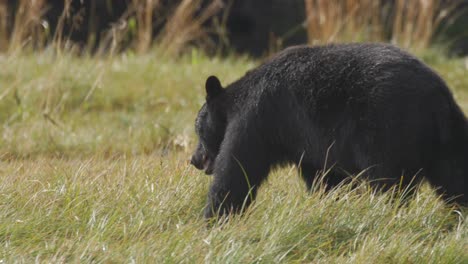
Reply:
x=415 y=22
x=3 y=25
x=343 y=21
x=185 y=25
x=27 y=26
x=412 y=25
x=144 y=17
x=58 y=35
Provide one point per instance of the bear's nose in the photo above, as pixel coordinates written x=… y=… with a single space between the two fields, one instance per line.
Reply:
x=194 y=162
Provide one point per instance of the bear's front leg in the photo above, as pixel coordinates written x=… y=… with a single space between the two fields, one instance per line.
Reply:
x=240 y=167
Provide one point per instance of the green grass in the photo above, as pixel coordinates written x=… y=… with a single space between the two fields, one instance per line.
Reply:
x=93 y=168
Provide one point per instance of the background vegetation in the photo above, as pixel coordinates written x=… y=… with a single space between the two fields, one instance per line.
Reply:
x=94 y=168
x=253 y=26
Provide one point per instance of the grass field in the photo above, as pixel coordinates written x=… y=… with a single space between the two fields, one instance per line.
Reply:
x=93 y=168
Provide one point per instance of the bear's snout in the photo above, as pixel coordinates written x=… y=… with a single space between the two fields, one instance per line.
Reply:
x=202 y=162
x=195 y=161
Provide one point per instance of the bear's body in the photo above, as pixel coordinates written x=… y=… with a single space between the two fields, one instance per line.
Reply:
x=351 y=107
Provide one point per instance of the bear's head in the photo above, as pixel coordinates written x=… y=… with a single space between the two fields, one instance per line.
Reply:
x=210 y=126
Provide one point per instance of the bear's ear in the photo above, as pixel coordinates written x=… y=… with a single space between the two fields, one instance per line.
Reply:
x=213 y=87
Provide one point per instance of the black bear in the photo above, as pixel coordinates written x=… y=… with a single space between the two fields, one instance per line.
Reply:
x=363 y=107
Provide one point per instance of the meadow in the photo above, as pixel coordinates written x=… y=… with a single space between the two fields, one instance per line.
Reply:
x=94 y=168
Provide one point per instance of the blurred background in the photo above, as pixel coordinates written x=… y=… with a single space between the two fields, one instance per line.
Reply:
x=254 y=27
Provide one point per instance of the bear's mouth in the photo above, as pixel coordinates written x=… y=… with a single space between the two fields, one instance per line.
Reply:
x=208 y=165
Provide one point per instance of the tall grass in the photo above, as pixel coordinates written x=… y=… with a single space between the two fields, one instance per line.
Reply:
x=416 y=22
x=183 y=22
x=58 y=38
x=3 y=25
x=185 y=25
x=148 y=209
x=343 y=21
x=410 y=24
x=28 y=28
x=144 y=16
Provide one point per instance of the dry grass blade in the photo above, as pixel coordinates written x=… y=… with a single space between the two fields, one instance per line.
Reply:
x=414 y=22
x=58 y=36
x=144 y=16
x=3 y=25
x=27 y=24
x=186 y=25
x=343 y=21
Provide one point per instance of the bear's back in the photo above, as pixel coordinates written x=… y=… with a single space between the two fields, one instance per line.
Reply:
x=346 y=74
x=352 y=66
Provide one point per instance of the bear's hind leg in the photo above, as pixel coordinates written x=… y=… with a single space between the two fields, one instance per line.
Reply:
x=449 y=178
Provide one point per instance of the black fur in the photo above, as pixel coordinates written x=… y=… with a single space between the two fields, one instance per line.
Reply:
x=364 y=107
